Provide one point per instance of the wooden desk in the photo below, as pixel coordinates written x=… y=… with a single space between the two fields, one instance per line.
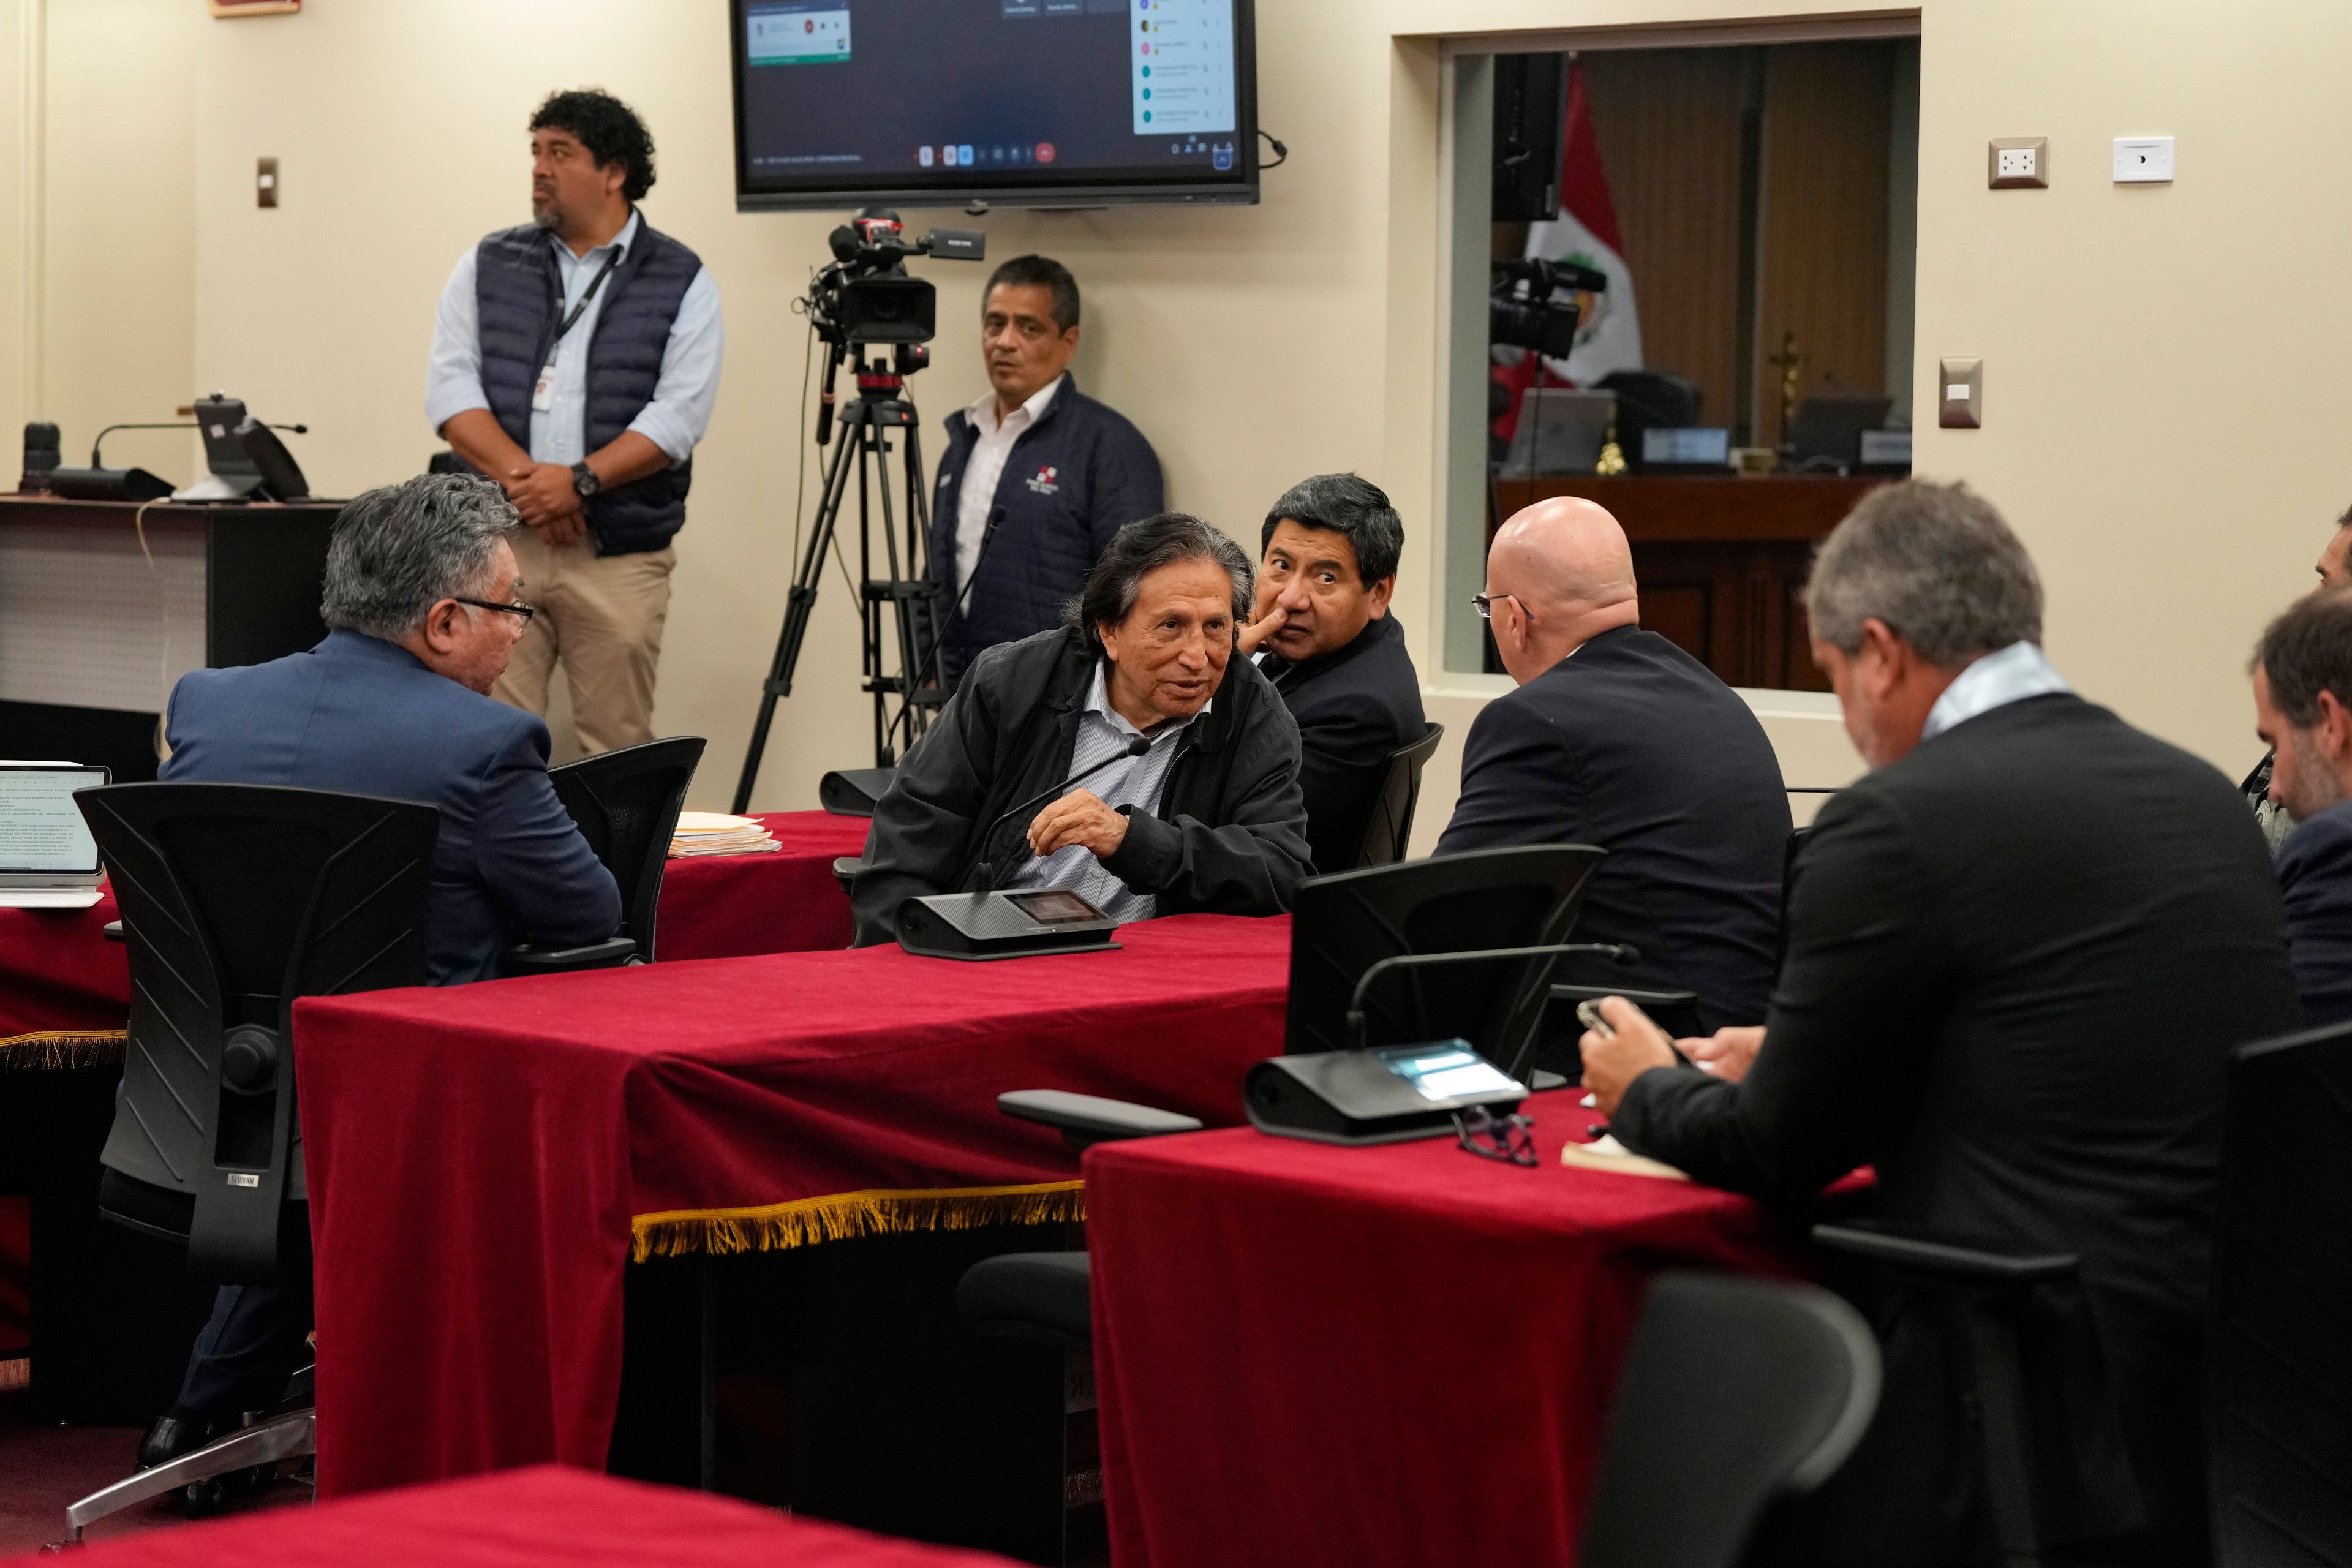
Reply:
x=1722 y=561
x=105 y=605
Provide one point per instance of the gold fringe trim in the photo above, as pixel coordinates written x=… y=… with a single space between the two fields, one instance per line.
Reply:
x=63 y=1049
x=839 y=1217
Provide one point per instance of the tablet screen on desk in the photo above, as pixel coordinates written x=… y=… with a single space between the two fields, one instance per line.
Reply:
x=1054 y=906
x=41 y=831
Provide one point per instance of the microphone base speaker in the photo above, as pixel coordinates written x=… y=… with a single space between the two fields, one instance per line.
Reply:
x=1350 y=1097
x=981 y=926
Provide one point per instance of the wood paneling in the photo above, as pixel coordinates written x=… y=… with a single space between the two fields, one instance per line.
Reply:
x=1668 y=124
x=1822 y=244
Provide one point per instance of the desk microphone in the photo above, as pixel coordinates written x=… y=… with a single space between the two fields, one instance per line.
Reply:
x=1135 y=748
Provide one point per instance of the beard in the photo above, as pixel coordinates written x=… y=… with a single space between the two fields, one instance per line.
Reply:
x=2315 y=784
x=544 y=213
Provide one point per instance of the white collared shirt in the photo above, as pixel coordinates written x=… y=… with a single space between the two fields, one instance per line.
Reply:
x=2017 y=672
x=1131 y=782
x=986 y=467
x=684 y=395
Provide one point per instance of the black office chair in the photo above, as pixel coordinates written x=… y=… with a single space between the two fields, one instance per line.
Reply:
x=2279 y=1366
x=626 y=803
x=1737 y=1396
x=238 y=898
x=2280 y=1371
x=1388 y=826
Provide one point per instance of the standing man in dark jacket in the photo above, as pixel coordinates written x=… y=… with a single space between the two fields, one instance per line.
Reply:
x=2019 y=1005
x=2303 y=707
x=1324 y=639
x=1617 y=738
x=575 y=360
x=1205 y=815
x=1057 y=472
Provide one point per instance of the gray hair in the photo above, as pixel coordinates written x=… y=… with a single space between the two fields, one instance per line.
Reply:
x=1142 y=548
x=1934 y=561
x=398 y=551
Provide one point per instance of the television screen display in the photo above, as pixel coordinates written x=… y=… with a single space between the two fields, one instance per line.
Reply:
x=1020 y=102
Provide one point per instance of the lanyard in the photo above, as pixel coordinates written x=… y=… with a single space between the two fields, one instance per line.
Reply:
x=611 y=260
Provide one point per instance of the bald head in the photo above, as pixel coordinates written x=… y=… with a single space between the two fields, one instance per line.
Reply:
x=1561 y=574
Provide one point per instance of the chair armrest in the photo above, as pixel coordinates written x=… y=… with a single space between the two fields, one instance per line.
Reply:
x=1940 y=1260
x=1087 y=1118
x=112 y=930
x=844 y=871
x=530 y=957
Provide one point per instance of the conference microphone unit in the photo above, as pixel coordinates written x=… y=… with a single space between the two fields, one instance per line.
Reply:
x=1030 y=923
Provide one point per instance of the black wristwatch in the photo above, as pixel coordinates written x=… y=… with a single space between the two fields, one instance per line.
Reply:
x=584 y=482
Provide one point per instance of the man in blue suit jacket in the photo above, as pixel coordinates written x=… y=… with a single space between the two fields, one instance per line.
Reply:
x=2303 y=707
x=424 y=603
x=1617 y=738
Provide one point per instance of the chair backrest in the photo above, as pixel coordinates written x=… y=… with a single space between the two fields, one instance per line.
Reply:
x=1387 y=825
x=1523 y=896
x=236 y=900
x=626 y=803
x=2280 y=1363
x=1737 y=1393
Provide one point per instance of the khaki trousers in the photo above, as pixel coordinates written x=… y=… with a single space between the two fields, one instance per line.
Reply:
x=600 y=615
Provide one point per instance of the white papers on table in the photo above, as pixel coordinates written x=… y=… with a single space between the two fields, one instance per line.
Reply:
x=716 y=832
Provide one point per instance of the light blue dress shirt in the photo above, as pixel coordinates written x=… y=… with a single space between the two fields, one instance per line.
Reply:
x=1131 y=782
x=2015 y=673
x=684 y=394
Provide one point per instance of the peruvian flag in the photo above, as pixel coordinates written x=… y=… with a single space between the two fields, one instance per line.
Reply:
x=1608 y=331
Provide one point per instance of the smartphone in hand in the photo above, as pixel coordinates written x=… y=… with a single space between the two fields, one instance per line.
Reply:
x=1588 y=1013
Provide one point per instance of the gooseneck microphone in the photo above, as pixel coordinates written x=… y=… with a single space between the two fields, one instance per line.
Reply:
x=988 y=868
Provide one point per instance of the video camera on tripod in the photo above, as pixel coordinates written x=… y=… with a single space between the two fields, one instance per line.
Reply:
x=1535 y=319
x=864 y=299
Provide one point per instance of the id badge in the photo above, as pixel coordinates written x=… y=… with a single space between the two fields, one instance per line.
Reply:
x=543 y=397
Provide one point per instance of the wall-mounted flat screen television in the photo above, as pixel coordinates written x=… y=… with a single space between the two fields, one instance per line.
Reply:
x=1035 y=103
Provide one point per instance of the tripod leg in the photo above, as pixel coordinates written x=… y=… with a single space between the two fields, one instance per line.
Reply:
x=798 y=607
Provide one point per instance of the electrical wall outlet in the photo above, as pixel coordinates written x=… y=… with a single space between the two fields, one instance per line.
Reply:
x=1960 y=385
x=2018 y=162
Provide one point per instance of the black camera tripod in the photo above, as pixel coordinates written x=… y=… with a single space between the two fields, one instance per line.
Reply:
x=904 y=590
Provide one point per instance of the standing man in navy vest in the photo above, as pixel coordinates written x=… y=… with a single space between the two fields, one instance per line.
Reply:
x=575 y=360
x=1064 y=471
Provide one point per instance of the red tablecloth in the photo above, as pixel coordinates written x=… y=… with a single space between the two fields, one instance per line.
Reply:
x=545 y=1517
x=62 y=980
x=1402 y=1354
x=483 y=1158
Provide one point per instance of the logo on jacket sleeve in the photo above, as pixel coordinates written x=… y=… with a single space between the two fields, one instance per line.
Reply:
x=1045 y=481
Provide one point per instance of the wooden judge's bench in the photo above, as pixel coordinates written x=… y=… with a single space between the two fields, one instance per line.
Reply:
x=1721 y=561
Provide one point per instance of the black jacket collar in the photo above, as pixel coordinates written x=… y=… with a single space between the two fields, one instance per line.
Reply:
x=1289 y=677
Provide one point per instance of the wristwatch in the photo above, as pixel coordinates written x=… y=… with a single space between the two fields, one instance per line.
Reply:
x=584 y=482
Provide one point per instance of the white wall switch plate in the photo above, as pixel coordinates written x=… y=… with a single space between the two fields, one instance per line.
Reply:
x=2018 y=162
x=2143 y=160
x=1959 y=387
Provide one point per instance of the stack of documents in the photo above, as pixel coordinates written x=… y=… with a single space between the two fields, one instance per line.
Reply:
x=715 y=833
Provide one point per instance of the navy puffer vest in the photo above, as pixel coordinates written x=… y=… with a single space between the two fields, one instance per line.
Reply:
x=516 y=290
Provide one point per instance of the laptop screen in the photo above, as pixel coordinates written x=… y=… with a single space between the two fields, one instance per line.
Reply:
x=41 y=832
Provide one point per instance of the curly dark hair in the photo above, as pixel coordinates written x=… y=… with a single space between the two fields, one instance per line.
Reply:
x=608 y=128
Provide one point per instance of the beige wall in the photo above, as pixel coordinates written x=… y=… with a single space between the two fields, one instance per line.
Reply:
x=2162 y=423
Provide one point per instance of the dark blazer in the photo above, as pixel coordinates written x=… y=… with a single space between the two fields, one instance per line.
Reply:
x=2315 y=874
x=1631 y=745
x=1075 y=477
x=363 y=717
x=1229 y=837
x=2018 y=1004
x=1355 y=706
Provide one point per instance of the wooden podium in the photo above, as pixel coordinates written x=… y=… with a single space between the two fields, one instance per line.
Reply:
x=105 y=605
x=1721 y=561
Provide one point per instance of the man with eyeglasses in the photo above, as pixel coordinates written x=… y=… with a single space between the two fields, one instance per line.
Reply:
x=1617 y=738
x=425 y=606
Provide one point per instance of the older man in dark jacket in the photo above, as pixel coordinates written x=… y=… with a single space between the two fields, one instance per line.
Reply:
x=1197 y=804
